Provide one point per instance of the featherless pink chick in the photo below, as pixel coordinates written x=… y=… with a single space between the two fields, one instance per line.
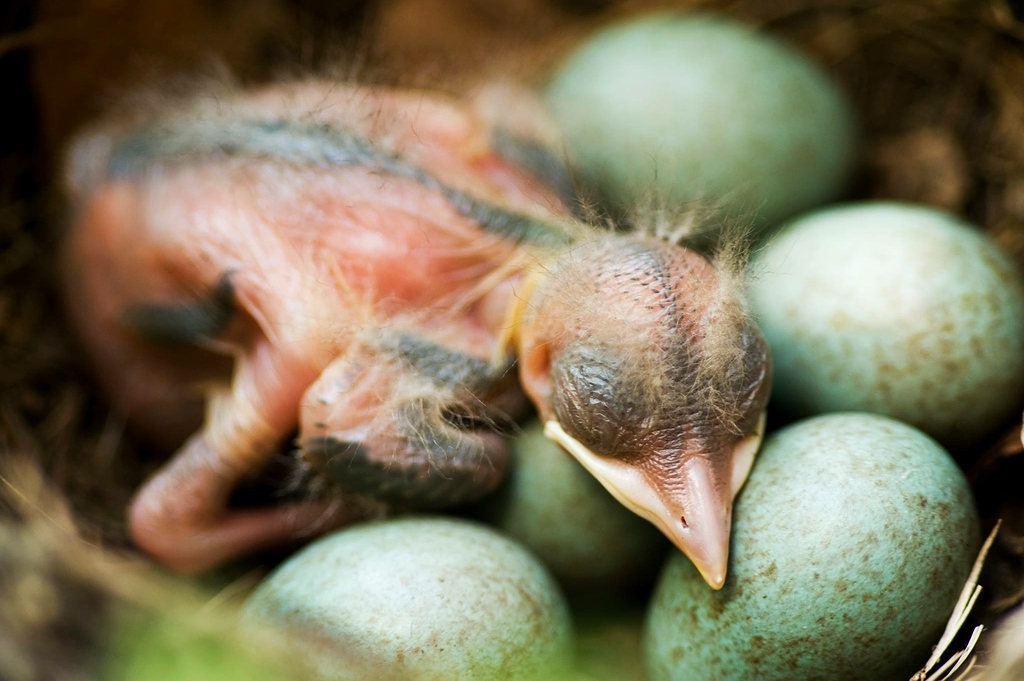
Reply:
x=395 y=277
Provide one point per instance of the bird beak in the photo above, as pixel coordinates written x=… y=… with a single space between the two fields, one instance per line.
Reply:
x=693 y=508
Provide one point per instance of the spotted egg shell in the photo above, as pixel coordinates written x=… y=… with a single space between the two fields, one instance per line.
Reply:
x=559 y=511
x=852 y=539
x=895 y=309
x=418 y=598
x=690 y=106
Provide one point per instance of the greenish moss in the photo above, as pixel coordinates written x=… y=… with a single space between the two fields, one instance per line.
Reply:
x=180 y=647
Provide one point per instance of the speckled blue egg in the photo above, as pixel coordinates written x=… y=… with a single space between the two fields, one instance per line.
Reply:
x=690 y=106
x=430 y=599
x=559 y=511
x=851 y=542
x=895 y=309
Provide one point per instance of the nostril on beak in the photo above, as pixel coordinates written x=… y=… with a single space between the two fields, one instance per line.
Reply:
x=682 y=519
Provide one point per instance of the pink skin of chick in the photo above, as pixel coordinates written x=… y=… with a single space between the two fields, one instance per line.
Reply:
x=365 y=266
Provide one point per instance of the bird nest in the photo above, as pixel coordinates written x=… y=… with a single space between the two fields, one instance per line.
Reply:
x=938 y=85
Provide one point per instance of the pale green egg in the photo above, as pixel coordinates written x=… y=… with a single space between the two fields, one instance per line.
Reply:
x=686 y=107
x=419 y=598
x=852 y=539
x=558 y=510
x=895 y=309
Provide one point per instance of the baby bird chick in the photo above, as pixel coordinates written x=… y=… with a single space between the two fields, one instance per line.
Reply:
x=374 y=269
x=644 y=367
